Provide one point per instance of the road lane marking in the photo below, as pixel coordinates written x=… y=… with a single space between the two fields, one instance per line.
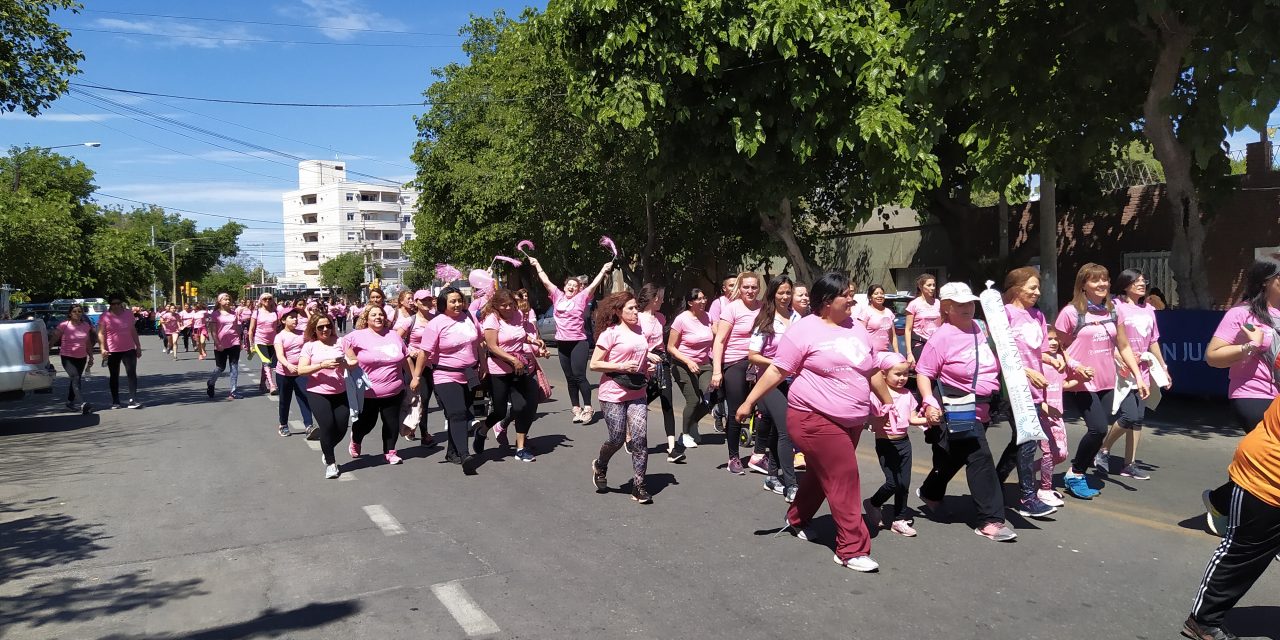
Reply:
x=473 y=620
x=315 y=446
x=348 y=477
x=383 y=518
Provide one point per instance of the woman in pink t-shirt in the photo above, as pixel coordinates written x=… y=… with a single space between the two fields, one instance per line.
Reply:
x=1139 y=320
x=452 y=347
x=376 y=299
x=828 y=357
x=185 y=330
x=118 y=344
x=513 y=344
x=380 y=353
x=729 y=357
x=199 y=316
x=225 y=328
x=958 y=364
x=1089 y=331
x=774 y=455
x=653 y=324
x=800 y=300
x=288 y=347
x=171 y=323
x=263 y=325
x=424 y=311
x=622 y=355
x=74 y=336
x=878 y=321
x=1245 y=343
x=323 y=362
x=689 y=344
x=924 y=316
x=569 y=307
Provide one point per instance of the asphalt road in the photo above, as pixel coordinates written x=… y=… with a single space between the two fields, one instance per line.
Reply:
x=191 y=518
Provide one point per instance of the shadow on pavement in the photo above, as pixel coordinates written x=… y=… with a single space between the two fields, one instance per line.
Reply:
x=40 y=541
x=269 y=624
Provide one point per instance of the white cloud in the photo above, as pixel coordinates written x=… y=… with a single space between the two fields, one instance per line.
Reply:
x=59 y=117
x=339 y=15
x=181 y=34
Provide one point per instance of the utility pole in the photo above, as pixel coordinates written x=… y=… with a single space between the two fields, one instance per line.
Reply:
x=153 y=271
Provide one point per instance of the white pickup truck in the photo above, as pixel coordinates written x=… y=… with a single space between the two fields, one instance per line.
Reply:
x=24 y=359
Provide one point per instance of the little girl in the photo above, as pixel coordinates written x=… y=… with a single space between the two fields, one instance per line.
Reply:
x=1058 y=374
x=893 y=448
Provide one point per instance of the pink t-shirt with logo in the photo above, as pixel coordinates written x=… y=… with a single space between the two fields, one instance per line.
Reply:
x=511 y=337
x=570 y=315
x=1094 y=345
x=1251 y=377
x=741 y=321
x=622 y=343
x=324 y=381
x=904 y=405
x=1140 y=326
x=1031 y=334
x=451 y=343
x=949 y=357
x=264 y=328
x=226 y=329
x=928 y=317
x=830 y=365
x=242 y=314
x=381 y=356
x=117 y=330
x=288 y=349
x=879 y=324
x=695 y=336
x=75 y=339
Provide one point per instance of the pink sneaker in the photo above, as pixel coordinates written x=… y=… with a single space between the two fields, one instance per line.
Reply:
x=392 y=458
x=354 y=449
x=902 y=528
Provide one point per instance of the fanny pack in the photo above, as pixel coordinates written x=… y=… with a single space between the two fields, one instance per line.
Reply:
x=471 y=373
x=632 y=381
x=960 y=406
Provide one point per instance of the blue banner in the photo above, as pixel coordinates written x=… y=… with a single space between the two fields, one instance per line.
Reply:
x=1184 y=338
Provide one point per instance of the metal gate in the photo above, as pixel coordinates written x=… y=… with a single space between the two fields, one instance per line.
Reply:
x=1156 y=265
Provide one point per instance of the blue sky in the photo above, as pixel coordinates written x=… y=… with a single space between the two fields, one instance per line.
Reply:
x=142 y=162
x=217 y=59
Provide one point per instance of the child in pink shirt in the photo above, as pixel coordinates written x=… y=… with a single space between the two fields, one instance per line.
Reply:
x=893 y=447
x=1053 y=449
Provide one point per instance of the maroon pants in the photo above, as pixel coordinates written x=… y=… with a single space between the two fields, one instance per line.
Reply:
x=831 y=475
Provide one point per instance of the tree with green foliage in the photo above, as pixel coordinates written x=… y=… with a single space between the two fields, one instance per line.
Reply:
x=230 y=277
x=40 y=245
x=344 y=271
x=35 y=59
x=501 y=157
x=791 y=102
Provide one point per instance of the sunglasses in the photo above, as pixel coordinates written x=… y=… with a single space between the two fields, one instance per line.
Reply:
x=323 y=326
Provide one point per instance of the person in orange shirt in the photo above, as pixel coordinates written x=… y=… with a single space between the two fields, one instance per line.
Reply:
x=1253 y=533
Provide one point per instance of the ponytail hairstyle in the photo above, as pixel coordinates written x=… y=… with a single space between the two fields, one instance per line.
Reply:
x=647 y=294
x=769 y=306
x=923 y=278
x=1260 y=273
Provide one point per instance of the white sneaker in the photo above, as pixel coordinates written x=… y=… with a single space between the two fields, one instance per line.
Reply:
x=688 y=441
x=1050 y=497
x=331 y=471
x=1103 y=461
x=861 y=563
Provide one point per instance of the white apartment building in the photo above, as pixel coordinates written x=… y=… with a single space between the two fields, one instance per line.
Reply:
x=329 y=215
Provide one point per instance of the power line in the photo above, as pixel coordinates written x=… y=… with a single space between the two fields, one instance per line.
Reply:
x=199 y=213
x=260 y=103
x=174 y=36
x=269 y=24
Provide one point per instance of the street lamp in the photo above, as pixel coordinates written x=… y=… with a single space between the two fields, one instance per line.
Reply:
x=17 y=157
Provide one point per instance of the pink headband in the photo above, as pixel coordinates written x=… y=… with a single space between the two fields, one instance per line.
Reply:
x=887 y=360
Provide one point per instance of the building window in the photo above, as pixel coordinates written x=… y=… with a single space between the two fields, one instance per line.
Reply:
x=311 y=256
x=408 y=237
x=351 y=217
x=309 y=219
x=390 y=235
x=310 y=237
x=309 y=199
x=337 y=167
x=390 y=255
x=368 y=197
x=351 y=197
x=406 y=219
x=351 y=235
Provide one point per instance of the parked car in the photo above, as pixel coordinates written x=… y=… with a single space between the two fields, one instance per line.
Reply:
x=51 y=320
x=547 y=327
x=24 y=359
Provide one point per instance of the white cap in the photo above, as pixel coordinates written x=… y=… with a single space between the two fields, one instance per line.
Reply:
x=957 y=292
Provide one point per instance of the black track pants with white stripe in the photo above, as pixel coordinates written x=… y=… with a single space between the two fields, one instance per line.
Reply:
x=1251 y=543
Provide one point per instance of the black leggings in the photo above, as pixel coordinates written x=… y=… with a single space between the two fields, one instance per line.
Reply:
x=455 y=399
x=130 y=360
x=185 y=332
x=1095 y=408
x=692 y=385
x=268 y=352
x=774 y=439
x=75 y=372
x=668 y=408
x=734 y=381
x=388 y=409
x=426 y=388
x=974 y=454
x=1248 y=413
x=332 y=414
x=221 y=360
x=895 y=461
x=521 y=392
x=573 y=361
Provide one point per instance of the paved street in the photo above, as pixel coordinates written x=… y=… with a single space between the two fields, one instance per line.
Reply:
x=192 y=519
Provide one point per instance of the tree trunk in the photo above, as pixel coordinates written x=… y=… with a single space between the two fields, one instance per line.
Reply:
x=780 y=224
x=1049 y=300
x=650 y=242
x=1186 y=256
x=1002 y=226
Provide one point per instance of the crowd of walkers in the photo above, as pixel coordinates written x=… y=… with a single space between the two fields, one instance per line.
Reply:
x=801 y=370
